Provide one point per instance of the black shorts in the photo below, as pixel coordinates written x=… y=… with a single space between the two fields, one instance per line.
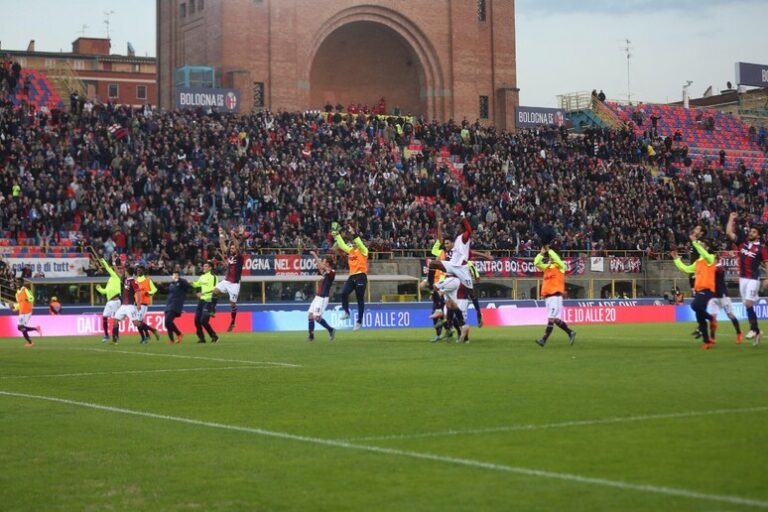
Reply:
x=438 y=301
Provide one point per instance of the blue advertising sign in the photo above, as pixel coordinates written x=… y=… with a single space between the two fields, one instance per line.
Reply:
x=752 y=74
x=217 y=100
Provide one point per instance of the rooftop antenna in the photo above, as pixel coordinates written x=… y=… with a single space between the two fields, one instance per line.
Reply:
x=106 y=21
x=628 y=50
x=82 y=30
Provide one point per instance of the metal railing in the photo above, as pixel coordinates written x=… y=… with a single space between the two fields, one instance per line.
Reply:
x=529 y=288
x=261 y=290
x=424 y=252
x=65 y=80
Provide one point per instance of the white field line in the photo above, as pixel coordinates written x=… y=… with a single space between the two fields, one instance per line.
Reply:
x=130 y=372
x=179 y=356
x=563 y=424
x=569 y=477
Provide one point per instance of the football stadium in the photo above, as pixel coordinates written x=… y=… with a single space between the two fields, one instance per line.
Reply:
x=331 y=255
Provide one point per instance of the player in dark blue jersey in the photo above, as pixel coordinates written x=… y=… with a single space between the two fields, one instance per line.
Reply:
x=320 y=302
x=177 y=292
x=231 y=283
x=753 y=256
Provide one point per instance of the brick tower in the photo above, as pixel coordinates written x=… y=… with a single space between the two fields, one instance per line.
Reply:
x=438 y=58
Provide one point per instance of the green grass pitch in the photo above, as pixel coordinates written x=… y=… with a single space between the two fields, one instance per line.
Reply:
x=632 y=417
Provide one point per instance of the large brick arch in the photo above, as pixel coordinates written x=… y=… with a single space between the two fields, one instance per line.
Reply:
x=433 y=87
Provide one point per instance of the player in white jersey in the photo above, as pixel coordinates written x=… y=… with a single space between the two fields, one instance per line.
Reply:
x=457 y=273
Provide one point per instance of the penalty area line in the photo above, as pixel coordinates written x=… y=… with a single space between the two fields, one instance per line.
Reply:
x=562 y=424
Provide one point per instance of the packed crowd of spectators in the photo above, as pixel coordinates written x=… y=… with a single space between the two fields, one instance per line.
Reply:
x=158 y=185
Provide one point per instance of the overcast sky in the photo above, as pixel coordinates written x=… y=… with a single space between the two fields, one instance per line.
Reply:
x=562 y=45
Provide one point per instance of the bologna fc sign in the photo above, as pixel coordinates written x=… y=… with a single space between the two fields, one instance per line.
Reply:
x=215 y=100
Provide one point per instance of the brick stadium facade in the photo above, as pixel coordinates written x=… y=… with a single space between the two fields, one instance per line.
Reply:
x=440 y=58
x=124 y=79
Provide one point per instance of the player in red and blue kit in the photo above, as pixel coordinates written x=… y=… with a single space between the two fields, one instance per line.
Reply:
x=320 y=302
x=721 y=300
x=752 y=256
x=131 y=299
x=231 y=282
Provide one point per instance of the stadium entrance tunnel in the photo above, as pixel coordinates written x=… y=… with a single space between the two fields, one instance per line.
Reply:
x=363 y=61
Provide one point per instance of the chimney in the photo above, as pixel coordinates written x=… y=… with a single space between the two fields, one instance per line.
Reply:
x=31 y=46
x=131 y=50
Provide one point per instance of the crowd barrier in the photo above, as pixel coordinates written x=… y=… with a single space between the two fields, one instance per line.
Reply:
x=86 y=321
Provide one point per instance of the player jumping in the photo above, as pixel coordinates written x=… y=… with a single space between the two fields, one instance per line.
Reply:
x=231 y=283
x=457 y=273
x=358 y=273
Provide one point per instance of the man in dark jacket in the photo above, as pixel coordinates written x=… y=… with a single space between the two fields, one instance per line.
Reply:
x=177 y=293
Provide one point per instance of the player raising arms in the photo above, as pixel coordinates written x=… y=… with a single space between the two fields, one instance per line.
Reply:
x=552 y=289
x=320 y=302
x=24 y=302
x=704 y=283
x=111 y=292
x=358 y=273
x=752 y=255
x=231 y=283
x=456 y=273
x=148 y=290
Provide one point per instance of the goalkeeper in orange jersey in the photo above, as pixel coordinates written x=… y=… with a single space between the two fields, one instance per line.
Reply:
x=358 y=273
x=552 y=289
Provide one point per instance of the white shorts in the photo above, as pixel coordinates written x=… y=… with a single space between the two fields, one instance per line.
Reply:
x=143 y=311
x=460 y=271
x=554 y=305
x=463 y=307
x=24 y=319
x=748 y=288
x=318 y=306
x=716 y=304
x=129 y=311
x=449 y=287
x=110 y=308
x=233 y=289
